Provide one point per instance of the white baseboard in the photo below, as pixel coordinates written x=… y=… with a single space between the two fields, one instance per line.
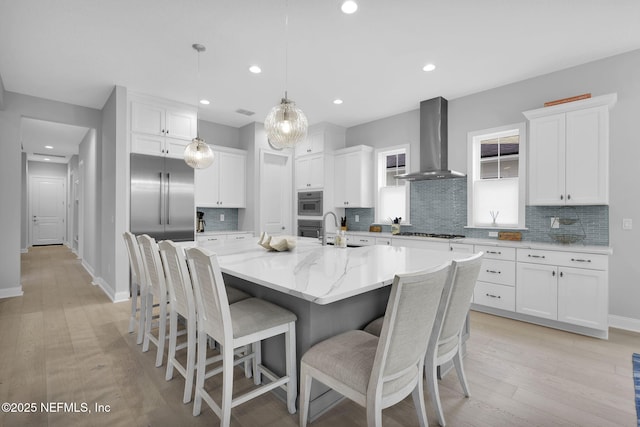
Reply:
x=626 y=323
x=89 y=269
x=24 y=250
x=99 y=281
x=121 y=297
x=11 y=292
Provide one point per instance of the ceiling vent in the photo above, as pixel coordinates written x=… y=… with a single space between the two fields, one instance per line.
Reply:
x=245 y=112
x=50 y=155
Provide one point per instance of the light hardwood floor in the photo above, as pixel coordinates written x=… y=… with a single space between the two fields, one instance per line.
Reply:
x=64 y=341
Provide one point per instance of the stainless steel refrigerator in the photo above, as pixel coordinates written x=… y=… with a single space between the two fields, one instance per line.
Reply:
x=162 y=198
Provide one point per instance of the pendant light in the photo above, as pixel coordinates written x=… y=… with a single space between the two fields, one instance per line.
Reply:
x=198 y=154
x=286 y=124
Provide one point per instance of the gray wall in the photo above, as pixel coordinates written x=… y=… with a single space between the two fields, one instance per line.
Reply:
x=504 y=105
x=216 y=134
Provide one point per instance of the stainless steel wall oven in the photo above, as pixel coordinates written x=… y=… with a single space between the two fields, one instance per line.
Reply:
x=310 y=203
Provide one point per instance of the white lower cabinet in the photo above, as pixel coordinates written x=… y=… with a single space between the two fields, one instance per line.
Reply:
x=214 y=239
x=496 y=282
x=566 y=286
x=494 y=295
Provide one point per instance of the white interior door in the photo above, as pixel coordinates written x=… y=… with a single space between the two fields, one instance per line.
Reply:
x=275 y=192
x=47 y=207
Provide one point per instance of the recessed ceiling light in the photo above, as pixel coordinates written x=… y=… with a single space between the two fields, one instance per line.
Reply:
x=337 y=101
x=49 y=147
x=349 y=7
x=255 y=69
x=429 y=67
x=46 y=159
x=205 y=102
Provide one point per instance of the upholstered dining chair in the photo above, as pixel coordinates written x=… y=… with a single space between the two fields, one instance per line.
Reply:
x=378 y=372
x=138 y=285
x=446 y=339
x=233 y=326
x=157 y=292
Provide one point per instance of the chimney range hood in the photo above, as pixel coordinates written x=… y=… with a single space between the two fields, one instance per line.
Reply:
x=433 y=143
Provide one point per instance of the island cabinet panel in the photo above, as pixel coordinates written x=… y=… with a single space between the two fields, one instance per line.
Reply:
x=223 y=184
x=353 y=177
x=569 y=153
x=161 y=128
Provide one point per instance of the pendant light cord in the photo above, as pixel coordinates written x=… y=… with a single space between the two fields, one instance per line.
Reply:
x=286 y=47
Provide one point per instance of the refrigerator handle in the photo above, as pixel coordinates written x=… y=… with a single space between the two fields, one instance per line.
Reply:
x=168 y=199
x=160 y=208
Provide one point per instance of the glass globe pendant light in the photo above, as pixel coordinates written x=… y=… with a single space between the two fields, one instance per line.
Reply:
x=198 y=154
x=286 y=125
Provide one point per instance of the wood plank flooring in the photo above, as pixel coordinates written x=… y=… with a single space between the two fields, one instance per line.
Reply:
x=64 y=341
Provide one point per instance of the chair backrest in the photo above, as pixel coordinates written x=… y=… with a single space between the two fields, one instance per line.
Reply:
x=212 y=303
x=152 y=265
x=449 y=326
x=407 y=325
x=135 y=259
x=178 y=279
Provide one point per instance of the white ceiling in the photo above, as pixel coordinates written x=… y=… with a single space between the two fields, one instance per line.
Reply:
x=75 y=51
x=37 y=134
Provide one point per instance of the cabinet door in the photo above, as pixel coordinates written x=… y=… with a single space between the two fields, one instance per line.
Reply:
x=547 y=160
x=181 y=124
x=587 y=159
x=537 y=290
x=232 y=180
x=313 y=144
x=583 y=297
x=207 y=185
x=174 y=148
x=310 y=172
x=340 y=184
x=147 y=144
x=147 y=118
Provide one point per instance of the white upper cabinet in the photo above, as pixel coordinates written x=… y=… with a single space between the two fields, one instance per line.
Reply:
x=310 y=172
x=223 y=184
x=161 y=128
x=569 y=153
x=313 y=144
x=353 y=177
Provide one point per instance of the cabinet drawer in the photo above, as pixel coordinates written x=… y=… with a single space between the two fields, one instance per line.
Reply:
x=461 y=247
x=564 y=259
x=497 y=252
x=211 y=239
x=383 y=241
x=239 y=236
x=492 y=295
x=498 y=271
x=356 y=240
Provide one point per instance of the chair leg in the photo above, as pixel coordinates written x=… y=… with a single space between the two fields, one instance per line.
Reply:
x=257 y=360
x=141 y=319
x=457 y=362
x=431 y=369
x=200 y=371
x=290 y=354
x=247 y=363
x=148 y=317
x=173 y=332
x=305 y=393
x=191 y=360
x=162 y=333
x=227 y=385
x=418 y=401
x=374 y=415
x=134 y=306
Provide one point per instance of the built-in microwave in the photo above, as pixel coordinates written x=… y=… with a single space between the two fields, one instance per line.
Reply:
x=310 y=203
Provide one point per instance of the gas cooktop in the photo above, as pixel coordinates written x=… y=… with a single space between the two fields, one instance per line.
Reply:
x=432 y=235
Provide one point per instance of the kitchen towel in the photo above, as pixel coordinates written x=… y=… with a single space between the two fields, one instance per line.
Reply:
x=636 y=383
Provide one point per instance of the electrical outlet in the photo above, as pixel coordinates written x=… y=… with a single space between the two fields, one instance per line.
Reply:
x=493 y=234
x=357 y=218
x=627 y=223
x=221 y=217
x=555 y=223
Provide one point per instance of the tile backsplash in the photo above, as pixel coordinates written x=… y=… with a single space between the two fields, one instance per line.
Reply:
x=440 y=206
x=212 y=219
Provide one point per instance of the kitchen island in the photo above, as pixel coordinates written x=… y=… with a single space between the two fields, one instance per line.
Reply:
x=330 y=289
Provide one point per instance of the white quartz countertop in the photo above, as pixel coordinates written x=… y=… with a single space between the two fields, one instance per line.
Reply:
x=323 y=274
x=217 y=233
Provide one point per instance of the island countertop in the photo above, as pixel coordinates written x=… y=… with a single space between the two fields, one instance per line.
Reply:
x=323 y=274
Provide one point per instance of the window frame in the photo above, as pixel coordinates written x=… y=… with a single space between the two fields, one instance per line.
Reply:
x=380 y=178
x=473 y=166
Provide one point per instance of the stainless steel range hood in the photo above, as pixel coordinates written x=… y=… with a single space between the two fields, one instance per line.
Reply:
x=433 y=143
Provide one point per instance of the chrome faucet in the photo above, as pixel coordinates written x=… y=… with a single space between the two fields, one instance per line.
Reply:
x=324 y=229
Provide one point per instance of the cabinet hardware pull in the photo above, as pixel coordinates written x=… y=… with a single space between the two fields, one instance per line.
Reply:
x=553 y=273
x=580 y=260
x=493 y=296
x=494 y=272
x=568 y=196
x=494 y=252
x=536 y=256
x=561 y=197
x=561 y=274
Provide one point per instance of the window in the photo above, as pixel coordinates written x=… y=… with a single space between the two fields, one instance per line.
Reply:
x=392 y=196
x=496 y=182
